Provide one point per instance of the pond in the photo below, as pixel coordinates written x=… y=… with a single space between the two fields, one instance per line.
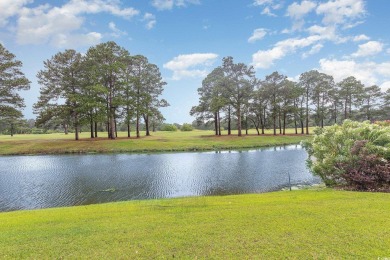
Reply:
x=31 y=182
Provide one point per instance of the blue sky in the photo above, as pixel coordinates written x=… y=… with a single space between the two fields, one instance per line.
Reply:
x=188 y=38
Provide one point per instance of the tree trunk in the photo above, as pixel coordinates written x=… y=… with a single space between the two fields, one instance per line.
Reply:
x=246 y=125
x=128 y=129
x=116 y=128
x=91 y=126
x=307 y=112
x=96 y=129
x=256 y=125
x=274 y=117
x=263 y=122
x=146 y=118
x=216 y=123
x=239 y=120
x=280 y=122
x=229 y=121
x=76 y=127
x=345 y=110
x=284 y=123
x=137 y=125
x=219 y=124
x=12 y=130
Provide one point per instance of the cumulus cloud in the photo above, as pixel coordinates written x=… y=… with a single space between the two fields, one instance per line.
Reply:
x=60 y=26
x=75 y=40
x=265 y=59
x=368 y=49
x=341 y=11
x=169 y=4
x=369 y=73
x=190 y=65
x=267 y=11
x=257 y=35
x=9 y=8
x=315 y=49
x=150 y=20
x=269 y=6
x=298 y=11
x=361 y=37
x=115 y=31
x=262 y=2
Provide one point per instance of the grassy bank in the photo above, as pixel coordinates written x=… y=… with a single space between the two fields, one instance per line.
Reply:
x=158 y=142
x=298 y=224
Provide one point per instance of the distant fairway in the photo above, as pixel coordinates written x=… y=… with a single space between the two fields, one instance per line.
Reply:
x=196 y=140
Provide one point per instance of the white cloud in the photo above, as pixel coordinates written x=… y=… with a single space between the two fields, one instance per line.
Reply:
x=385 y=86
x=370 y=73
x=265 y=59
x=169 y=4
x=315 y=49
x=257 y=35
x=368 y=49
x=115 y=31
x=269 y=6
x=75 y=40
x=262 y=2
x=60 y=26
x=190 y=65
x=267 y=11
x=341 y=11
x=361 y=37
x=9 y=8
x=298 y=11
x=150 y=20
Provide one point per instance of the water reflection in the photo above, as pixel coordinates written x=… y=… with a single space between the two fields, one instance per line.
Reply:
x=29 y=182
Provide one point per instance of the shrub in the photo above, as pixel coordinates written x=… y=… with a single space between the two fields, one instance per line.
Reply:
x=186 y=127
x=354 y=154
x=367 y=171
x=169 y=127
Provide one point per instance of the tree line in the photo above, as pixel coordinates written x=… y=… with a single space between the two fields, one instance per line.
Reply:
x=100 y=88
x=232 y=92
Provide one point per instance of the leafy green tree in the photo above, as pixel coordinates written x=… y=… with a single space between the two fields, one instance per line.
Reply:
x=240 y=84
x=153 y=88
x=258 y=107
x=12 y=80
x=61 y=78
x=139 y=73
x=371 y=98
x=321 y=96
x=212 y=98
x=106 y=64
x=351 y=94
x=385 y=107
x=335 y=103
x=273 y=85
x=308 y=80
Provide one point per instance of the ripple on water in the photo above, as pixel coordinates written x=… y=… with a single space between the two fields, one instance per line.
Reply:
x=29 y=182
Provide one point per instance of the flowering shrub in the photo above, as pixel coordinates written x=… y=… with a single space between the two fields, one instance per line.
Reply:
x=383 y=123
x=354 y=155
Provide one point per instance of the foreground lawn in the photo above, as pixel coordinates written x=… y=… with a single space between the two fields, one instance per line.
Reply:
x=158 y=142
x=299 y=224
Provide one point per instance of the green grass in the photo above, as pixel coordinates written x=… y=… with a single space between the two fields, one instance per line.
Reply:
x=158 y=142
x=320 y=224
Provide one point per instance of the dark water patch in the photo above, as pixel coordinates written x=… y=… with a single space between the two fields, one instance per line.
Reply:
x=31 y=182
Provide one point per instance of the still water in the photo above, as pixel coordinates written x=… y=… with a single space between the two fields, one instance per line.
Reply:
x=31 y=182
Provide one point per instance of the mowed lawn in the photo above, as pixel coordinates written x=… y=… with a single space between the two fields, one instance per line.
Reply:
x=158 y=141
x=319 y=224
